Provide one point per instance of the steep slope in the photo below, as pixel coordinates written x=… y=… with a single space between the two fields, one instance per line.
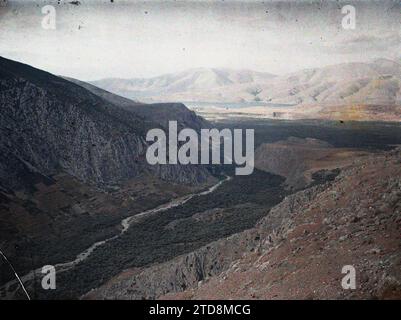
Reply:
x=355 y=221
x=72 y=165
x=297 y=250
x=50 y=124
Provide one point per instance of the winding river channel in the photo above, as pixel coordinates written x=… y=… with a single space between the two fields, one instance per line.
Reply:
x=125 y=225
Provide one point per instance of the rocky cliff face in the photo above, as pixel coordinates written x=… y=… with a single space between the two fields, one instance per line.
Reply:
x=72 y=165
x=297 y=250
x=50 y=125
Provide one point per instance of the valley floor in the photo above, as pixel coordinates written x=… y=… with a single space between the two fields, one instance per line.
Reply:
x=209 y=247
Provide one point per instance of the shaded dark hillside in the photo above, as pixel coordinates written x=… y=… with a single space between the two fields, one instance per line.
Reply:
x=72 y=165
x=159 y=113
x=50 y=125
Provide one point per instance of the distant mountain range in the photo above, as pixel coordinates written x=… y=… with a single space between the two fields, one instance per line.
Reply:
x=188 y=85
x=377 y=82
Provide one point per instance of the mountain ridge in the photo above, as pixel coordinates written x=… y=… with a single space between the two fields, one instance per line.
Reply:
x=378 y=81
x=53 y=124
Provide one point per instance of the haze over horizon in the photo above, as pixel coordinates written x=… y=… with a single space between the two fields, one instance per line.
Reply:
x=124 y=39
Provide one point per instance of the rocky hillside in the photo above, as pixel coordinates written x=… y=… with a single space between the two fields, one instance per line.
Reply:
x=50 y=125
x=72 y=165
x=297 y=250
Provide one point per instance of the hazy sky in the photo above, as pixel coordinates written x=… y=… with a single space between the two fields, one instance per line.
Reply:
x=128 y=39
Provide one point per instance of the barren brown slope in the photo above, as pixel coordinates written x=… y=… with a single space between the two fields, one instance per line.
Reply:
x=355 y=221
x=297 y=250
